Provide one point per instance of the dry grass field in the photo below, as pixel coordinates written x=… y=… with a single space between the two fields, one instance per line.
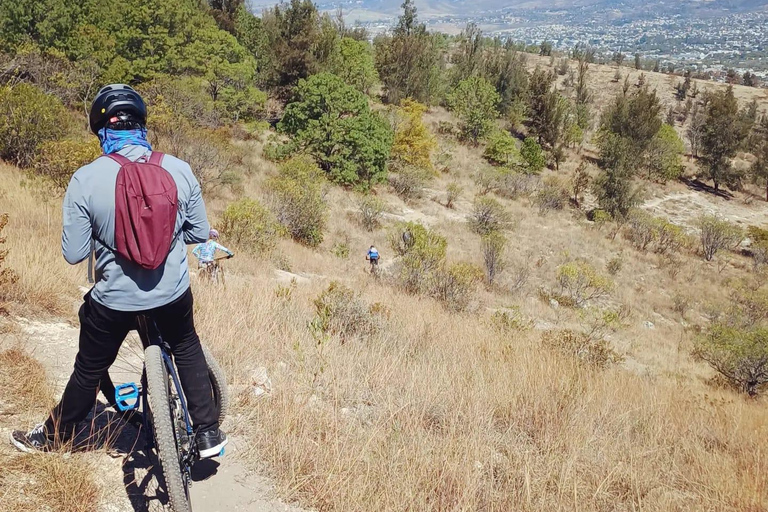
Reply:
x=437 y=410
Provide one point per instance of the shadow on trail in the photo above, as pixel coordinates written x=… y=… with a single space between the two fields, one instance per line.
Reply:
x=703 y=187
x=107 y=430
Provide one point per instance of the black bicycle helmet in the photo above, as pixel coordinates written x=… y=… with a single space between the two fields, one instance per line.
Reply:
x=113 y=99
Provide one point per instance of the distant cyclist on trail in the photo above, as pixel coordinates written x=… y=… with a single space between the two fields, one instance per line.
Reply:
x=140 y=208
x=206 y=252
x=373 y=257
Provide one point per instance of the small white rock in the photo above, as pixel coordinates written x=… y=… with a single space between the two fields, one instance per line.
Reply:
x=649 y=325
x=554 y=303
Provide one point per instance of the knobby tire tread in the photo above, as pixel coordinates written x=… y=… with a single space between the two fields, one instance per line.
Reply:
x=165 y=439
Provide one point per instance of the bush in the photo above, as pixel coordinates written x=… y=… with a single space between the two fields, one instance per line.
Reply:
x=501 y=149
x=552 y=196
x=28 y=118
x=532 y=155
x=513 y=184
x=488 y=215
x=600 y=217
x=739 y=354
x=493 y=245
x=251 y=226
x=7 y=275
x=581 y=283
x=717 y=234
x=594 y=352
x=510 y=319
x=413 y=144
x=370 y=208
x=454 y=285
x=614 y=265
x=56 y=161
x=409 y=181
x=334 y=123
x=298 y=199
x=339 y=311
x=475 y=102
x=757 y=235
x=452 y=193
x=422 y=252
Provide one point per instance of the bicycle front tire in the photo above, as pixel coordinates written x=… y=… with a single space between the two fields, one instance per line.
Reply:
x=164 y=428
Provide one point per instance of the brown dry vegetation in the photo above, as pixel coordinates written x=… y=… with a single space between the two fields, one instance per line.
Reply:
x=445 y=411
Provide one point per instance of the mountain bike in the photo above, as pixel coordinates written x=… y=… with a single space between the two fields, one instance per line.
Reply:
x=164 y=415
x=213 y=270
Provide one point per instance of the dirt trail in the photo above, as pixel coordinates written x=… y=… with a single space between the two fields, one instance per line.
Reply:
x=125 y=475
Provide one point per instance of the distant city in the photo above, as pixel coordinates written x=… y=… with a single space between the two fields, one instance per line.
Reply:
x=707 y=44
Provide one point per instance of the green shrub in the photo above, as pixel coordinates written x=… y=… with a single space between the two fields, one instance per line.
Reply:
x=340 y=250
x=510 y=319
x=532 y=155
x=600 y=217
x=409 y=181
x=580 y=282
x=501 y=149
x=422 y=252
x=251 y=226
x=454 y=285
x=740 y=354
x=614 y=265
x=297 y=198
x=370 y=208
x=339 y=311
x=452 y=193
x=757 y=234
x=717 y=234
x=28 y=118
x=645 y=231
x=57 y=160
x=588 y=350
x=488 y=215
x=493 y=246
x=552 y=195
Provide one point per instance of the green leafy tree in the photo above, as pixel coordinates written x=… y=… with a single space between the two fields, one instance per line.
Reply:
x=353 y=62
x=501 y=149
x=505 y=68
x=475 y=101
x=333 y=122
x=664 y=154
x=532 y=155
x=723 y=133
x=759 y=169
x=409 y=60
x=292 y=31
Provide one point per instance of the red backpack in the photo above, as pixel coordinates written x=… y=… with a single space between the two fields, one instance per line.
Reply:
x=146 y=206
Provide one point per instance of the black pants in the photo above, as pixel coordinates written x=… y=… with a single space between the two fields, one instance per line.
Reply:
x=102 y=331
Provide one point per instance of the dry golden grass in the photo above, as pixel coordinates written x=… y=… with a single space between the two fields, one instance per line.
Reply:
x=47 y=482
x=24 y=383
x=45 y=285
x=441 y=411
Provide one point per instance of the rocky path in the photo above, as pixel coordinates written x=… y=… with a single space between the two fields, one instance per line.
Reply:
x=127 y=478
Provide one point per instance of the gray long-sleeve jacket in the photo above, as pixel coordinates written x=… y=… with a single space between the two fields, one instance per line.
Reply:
x=89 y=212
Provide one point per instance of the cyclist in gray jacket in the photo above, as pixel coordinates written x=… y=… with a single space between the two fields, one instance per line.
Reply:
x=124 y=289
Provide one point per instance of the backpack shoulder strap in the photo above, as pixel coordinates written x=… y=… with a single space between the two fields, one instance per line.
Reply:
x=156 y=158
x=120 y=159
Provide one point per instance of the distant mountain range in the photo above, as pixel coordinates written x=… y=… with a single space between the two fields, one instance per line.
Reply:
x=469 y=8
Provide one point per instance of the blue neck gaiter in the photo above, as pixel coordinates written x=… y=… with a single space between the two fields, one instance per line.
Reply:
x=113 y=141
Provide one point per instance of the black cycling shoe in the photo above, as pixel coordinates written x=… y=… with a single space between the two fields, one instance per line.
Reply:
x=211 y=443
x=34 y=441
